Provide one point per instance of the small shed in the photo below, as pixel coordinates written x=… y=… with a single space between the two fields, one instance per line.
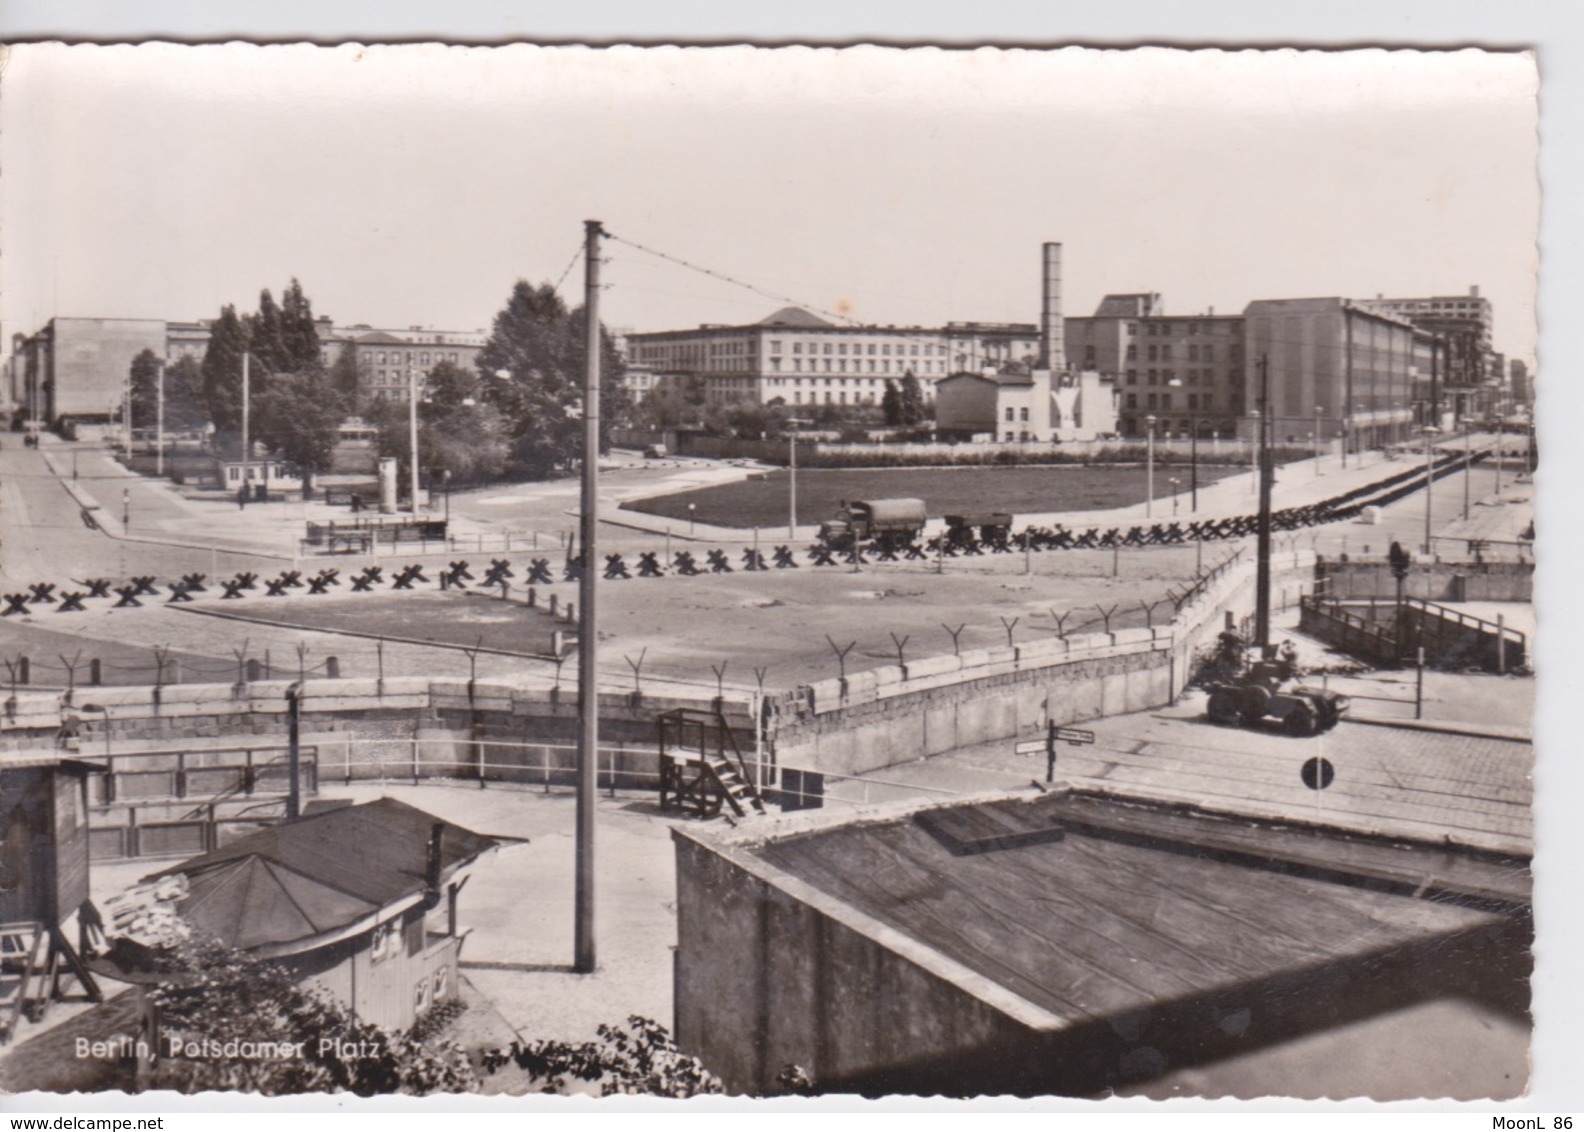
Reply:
x=361 y=900
x=1072 y=944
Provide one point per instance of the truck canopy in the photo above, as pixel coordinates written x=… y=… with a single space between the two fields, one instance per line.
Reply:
x=891 y=510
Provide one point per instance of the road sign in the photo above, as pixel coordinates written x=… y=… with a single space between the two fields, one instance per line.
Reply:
x=1072 y=735
x=1032 y=747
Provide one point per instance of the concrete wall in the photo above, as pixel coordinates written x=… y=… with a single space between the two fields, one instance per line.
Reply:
x=891 y=714
x=1433 y=581
x=812 y=983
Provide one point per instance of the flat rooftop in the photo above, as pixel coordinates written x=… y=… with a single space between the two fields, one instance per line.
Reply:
x=1088 y=908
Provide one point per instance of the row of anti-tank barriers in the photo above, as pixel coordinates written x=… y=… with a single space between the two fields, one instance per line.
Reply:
x=458 y=574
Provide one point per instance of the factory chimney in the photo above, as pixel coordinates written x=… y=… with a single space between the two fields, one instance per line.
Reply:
x=1053 y=345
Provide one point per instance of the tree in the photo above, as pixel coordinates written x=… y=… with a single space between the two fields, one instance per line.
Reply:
x=542 y=347
x=460 y=436
x=266 y=341
x=144 y=376
x=222 y=370
x=184 y=407
x=639 y=1058
x=891 y=404
x=299 y=419
x=182 y=396
x=347 y=374
x=298 y=334
x=911 y=407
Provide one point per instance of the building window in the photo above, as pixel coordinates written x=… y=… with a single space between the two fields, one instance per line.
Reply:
x=1166 y=400
x=1023 y=415
x=1193 y=353
x=1009 y=412
x=827 y=350
x=871 y=347
x=1154 y=377
x=1150 y=402
x=1132 y=400
x=1132 y=377
x=1132 y=352
x=1009 y=435
x=1153 y=353
x=1132 y=329
x=1166 y=353
x=1208 y=353
x=797 y=365
x=797 y=347
x=1193 y=401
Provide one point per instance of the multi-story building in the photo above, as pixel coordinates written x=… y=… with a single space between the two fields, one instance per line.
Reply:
x=1185 y=371
x=393 y=360
x=796 y=357
x=78 y=368
x=1470 y=372
x=1349 y=369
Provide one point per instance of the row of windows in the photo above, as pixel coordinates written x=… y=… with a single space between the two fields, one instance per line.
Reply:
x=1193 y=376
x=840 y=398
x=1022 y=414
x=857 y=348
x=397 y=358
x=840 y=366
x=1164 y=329
x=1205 y=402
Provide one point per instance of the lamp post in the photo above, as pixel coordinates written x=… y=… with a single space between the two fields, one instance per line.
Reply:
x=794 y=422
x=1255 y=441
x=1319 y=412
x=1149 y=467
x=1468 y=465
x=1430 y=433
x=1193 y=453
x=412 y=431
x=1174 y=481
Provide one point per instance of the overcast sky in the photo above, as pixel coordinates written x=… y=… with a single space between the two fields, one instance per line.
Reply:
x=412 y=185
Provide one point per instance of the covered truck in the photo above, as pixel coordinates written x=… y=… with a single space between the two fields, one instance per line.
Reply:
x=888 y=522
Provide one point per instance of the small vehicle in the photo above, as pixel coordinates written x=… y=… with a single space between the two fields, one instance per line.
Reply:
x=655 y=452
x=887 y=522
x=1262 y=691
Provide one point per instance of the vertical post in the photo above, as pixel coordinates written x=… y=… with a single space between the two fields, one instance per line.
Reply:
x=1193 y=467
x=159 y=422
x=293 y=752
x=588 y=631
x=1501 y=644
x=1149 y=467
x=412 y=432
x=1263 y=570
x=1347 y=397
x=792 y=487
x=247 y=446
x=1498 y=457
x=1429 y=481
x=1419 y=684
x=1468 y=467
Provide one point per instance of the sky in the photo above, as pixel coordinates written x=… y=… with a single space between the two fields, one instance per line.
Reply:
x=412 y=185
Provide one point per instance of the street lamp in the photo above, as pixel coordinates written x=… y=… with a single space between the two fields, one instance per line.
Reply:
x=1319 y=412
x=1430 y=433
x=1174 y=481
x=1256 y=438
x=412 y=430
x=691 y=506
x=1149 y=467
x=1193 y=454
x=792 y=487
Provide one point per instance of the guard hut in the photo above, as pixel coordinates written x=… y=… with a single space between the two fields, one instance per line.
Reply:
x=43 y=883
x=360 y=900
x=1072 y=943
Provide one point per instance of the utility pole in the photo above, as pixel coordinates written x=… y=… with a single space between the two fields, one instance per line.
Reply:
x=1347 y=402
x=1262 y=580
x=159 y=423
x=588 y=628
x=247 y=444
x=412 y=430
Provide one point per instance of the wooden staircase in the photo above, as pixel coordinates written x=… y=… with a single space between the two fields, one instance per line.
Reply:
x=701 y=768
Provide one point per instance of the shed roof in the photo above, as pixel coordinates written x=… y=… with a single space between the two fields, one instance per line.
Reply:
x=1086 y=908
x=318 y=874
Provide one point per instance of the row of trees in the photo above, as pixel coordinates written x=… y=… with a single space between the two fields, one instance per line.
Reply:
x=520 y=410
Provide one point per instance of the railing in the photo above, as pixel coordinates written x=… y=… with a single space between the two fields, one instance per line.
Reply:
x=674 y=726
x=152 y=776
x=1451 y=636
x=1357 y=636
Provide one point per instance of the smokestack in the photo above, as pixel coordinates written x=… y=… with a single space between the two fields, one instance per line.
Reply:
x=1053 y=344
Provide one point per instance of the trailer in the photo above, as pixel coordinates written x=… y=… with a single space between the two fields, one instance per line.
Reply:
x=989 y=526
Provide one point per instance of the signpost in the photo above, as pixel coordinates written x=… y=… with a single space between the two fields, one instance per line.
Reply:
x=1072 y=736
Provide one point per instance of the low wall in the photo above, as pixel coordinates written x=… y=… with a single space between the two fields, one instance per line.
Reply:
x=361 y=728
x=1433 y=581
x=898 y=713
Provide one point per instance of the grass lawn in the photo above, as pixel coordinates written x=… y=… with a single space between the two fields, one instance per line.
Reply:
x=945 y=491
